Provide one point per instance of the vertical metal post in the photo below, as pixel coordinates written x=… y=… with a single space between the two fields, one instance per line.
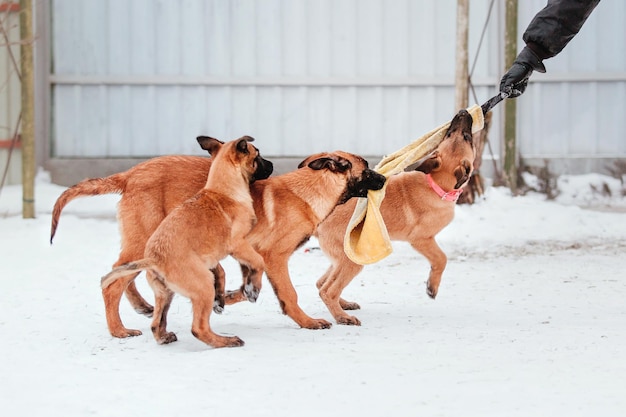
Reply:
x=28 y=107
x=462 y=72
x=510 y=107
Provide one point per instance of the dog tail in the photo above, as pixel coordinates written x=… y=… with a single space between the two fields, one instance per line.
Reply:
x=92 y=186
x=124 y=270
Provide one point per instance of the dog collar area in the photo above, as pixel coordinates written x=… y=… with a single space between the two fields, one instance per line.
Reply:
x=452 y=196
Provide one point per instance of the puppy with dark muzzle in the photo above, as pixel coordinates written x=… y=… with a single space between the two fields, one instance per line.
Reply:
x=416 y=207
x=295 y=202
x=195 y=236
x=290 y=207
x=149 y=192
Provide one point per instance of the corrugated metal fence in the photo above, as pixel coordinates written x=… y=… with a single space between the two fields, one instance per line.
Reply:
x=9 y=92
x=143 y=78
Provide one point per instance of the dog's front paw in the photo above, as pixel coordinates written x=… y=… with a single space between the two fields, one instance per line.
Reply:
x=251 y=292
x=348 y=305
x=349 y=321
x=167 y=338
x=316 y=324
x=218 y=308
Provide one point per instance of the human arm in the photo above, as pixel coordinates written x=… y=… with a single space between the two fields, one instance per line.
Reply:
x=546 y=36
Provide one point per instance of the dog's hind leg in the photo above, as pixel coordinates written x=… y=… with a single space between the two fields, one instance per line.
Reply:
x=336 y=279
x=201 y=291
x=438 y=261
x=140 y=305
x=112 y=296
x=162 y=300
x=345 y=305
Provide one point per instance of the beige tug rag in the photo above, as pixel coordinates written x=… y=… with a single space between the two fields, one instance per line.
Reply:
x=366 y=240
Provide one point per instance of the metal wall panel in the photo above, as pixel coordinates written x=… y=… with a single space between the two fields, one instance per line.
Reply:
x=10 y=95
x=10 y=88
x=143 y=78
x=300 y=75
x=577 y=109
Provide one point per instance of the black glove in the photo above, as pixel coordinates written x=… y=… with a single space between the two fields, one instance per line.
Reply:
x=514 y=82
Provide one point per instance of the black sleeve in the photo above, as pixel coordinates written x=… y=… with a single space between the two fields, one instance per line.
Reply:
x=556 y=24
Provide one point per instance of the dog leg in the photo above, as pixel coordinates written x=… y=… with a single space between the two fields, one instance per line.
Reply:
x=162 y=300
x=202 y=293
x=252 y=266
x=112 y=296
x=437 y=259
x=237 y=296
x=202 y=330
x=140 y=305
x=278 y=275
x=220 y=288
x=345 y=305
x=336 y=279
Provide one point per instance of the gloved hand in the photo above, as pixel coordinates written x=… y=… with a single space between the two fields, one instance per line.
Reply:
x=514 y=82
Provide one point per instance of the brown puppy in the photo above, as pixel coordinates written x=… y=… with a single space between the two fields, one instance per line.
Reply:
x=311 y=192
x=195 y=236
x=413 y=211
x=289 y=207
x=150 y=191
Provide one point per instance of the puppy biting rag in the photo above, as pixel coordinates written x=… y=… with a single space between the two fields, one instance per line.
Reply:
x=366 y=240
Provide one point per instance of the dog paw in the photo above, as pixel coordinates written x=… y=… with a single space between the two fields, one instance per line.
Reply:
x=167 y=338
x=233 y=297
x=217 y=307
x=251 y=292
x=432 y=293
x=146 y=310
x=349 y=305
x=316 y=324
x=124 y=333
x=234 y=341
x=349 y=321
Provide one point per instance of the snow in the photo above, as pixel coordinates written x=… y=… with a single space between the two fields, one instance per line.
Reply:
x=529 y=321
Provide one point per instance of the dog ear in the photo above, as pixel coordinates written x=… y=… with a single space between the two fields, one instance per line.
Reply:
x=431 y=164
x=242 y=146
x=462 y=173
x=333 y=164
x=247 y=138
x=210 y=144
x=306 y=161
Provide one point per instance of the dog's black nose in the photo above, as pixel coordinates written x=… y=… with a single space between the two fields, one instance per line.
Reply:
x=462 y=121
x=373 y=179
x=264 y=169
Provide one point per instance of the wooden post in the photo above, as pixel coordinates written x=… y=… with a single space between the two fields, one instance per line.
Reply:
x=510 y=108
x=462 y=72
x=28 y=107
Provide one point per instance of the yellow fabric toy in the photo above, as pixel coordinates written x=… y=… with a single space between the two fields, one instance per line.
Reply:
x=366 y=240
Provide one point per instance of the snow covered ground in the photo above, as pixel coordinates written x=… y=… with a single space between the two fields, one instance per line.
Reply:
x=530 y=321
